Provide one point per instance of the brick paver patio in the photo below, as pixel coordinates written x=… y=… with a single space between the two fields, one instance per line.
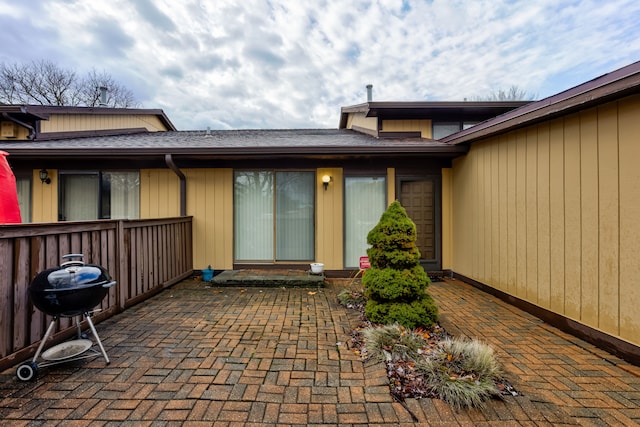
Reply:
x=201 y=356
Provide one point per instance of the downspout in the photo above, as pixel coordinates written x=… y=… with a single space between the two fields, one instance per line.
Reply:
x=183 y=183
x=32 y=131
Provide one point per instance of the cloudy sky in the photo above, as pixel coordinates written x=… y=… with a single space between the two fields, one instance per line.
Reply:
x=231 y=64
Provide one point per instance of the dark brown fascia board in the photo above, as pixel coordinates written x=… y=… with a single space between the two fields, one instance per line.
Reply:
x=372 y=109
x=245 y=152
x=400 y=134
x=606 y=88
x=50 y=136
x=45 y=111
x=22 y=110
x=366 y=131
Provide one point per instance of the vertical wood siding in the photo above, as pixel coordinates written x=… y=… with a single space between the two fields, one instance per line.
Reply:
x=159 y=193
x=549 y=214
x=360 y=120
x=422 y=126
x=210 y=202
x=45 y=197
x=330 y=219
x=447 y=230
x=81 y=122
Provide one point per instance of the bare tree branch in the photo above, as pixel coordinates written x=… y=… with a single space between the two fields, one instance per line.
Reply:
x=514 y=93
x=45 y=83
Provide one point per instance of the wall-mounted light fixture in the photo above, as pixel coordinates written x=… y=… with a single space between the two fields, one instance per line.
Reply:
x=44 y=176
x=326 y=179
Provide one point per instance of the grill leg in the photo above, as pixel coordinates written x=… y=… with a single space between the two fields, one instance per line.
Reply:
x=95 y=334
x=78 y=320
x=45 y=338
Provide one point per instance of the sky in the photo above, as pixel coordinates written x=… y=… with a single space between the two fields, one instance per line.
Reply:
x=291 y=64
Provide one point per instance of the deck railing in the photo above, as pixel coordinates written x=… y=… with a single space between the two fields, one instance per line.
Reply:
x=143 y=256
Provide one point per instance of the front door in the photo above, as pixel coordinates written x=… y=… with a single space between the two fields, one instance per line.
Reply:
x=419 y=197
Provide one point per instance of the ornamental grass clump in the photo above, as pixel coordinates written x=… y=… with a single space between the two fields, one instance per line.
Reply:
x=393 y=342
x=351 y=298
x=396 y=282
x=462 y=372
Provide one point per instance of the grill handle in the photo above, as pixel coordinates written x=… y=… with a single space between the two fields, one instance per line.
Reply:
x=71 y=259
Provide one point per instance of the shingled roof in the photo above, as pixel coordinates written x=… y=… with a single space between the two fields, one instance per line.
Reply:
x=221 y=143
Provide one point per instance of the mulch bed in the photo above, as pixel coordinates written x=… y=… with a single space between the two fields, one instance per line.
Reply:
x=404 y=381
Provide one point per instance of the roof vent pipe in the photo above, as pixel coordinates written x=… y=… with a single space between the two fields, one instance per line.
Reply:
x=369 y=92
x=103 y=96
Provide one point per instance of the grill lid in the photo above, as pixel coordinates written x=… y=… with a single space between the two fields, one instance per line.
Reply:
x=73 y=274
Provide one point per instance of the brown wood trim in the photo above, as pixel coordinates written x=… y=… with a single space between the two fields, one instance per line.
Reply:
x=407 y=134
x=47 y=136
x=623 y=349
x=365 y=130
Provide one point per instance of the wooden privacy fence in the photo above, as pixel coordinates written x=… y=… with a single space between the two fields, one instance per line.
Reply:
x=143 y=256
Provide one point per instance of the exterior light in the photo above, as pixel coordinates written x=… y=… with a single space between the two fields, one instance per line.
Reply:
x=326 y=179
x=44 y=176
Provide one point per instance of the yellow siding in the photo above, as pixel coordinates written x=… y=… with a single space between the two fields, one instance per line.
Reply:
x=494 y=233
x=360 y=120
x=13 y=132
x=83 y=122
x=45 y=198
x=210 y=202
x=531 y=215
x=391 y=186
x=556 y=215
x=422 y=126
x=503 y=253
x=589 y=216
x=572 y=226
x=549 y=214
x=447 y=230
x=608 y=221
x=329 y=219
x=159 y=193
x=629 y=175
x=511 y=228
x=521 y=214
x=462 y=202
x=543 y=224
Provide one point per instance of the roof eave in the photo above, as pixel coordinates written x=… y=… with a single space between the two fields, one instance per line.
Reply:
x=611 y=86
x=43 y=112
x=246 y=152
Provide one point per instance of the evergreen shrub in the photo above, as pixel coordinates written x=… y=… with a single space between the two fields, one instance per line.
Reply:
x=396 y=282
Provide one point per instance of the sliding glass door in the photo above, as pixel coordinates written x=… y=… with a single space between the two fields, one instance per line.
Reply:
x=365 y=201
x=274 y=216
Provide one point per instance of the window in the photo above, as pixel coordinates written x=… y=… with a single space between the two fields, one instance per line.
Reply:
x=274 y=216
x=442 y=129
x=467 y=125
x=99 y=195
x=365 y=202
x=23 y=185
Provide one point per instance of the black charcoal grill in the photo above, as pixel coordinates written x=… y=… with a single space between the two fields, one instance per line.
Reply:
x=73 y=289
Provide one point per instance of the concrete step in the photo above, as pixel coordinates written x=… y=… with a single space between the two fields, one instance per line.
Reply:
x=268 y=278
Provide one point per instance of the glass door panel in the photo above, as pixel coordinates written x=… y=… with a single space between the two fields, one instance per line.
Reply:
x=365 y=202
